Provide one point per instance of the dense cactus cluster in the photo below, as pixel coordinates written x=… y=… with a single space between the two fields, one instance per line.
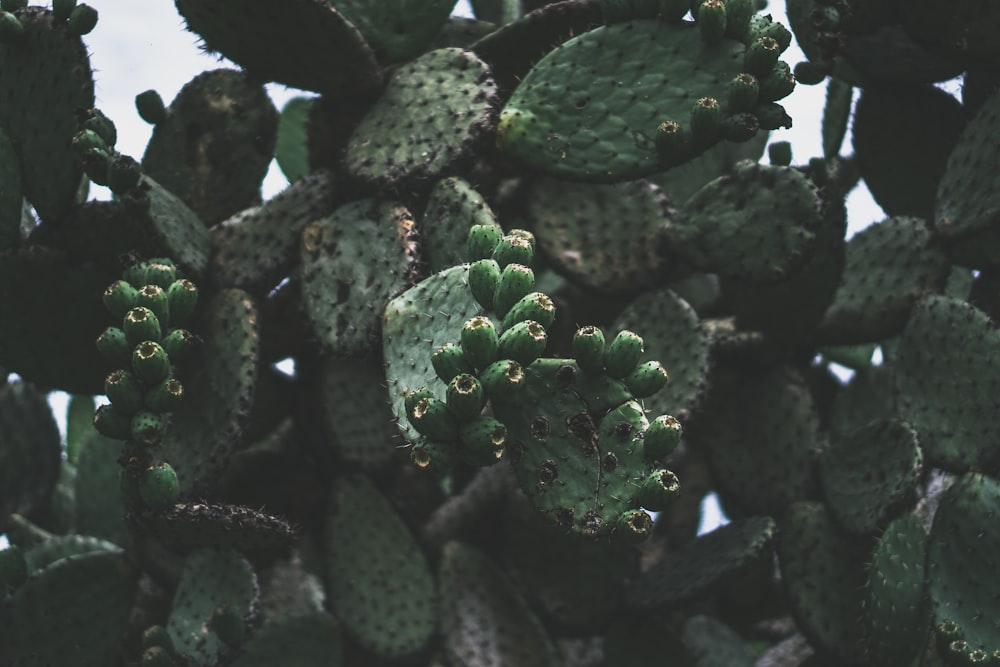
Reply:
x=540 y=295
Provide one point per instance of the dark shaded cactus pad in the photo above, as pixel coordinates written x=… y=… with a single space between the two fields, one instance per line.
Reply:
x=311 y=640
x=454 y=207
x=185 y=527
x=397 y=29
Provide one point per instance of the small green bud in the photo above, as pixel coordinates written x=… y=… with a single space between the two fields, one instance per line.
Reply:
x=633 y=526
x=771 y=116
x=535 y=306
x=61 y=9
x=159 y=487
x=139 y=324
x=124 y=391
x=433 y=456
x=482 y=441
x=95 y=164
x=659 y=490
x=411 y=398
x=761 y=56
x=123 y=173
x=513 y=250
x=623 y=354
x=183 y=298
x=113 y=423
x=661 y=438
x=13 y=567
x=82 y=20
x=431 y=417
x=482 y=240
x=159 y=271
x=480 y=343
x=780 y=153
x=465 y=397
x=150 y=362
x=516 y=280
x=588 y=349
x=102 y=125
x=740 y=127
x=147 y=427
x=503 y=379
x=712 y=20
x=484 y=276
x=150 y=106
x=769 y=28
x=646 y=379
x=154 y=298
x=449 y=361
x=113 y=346
x=706 y=119
x=120 y=297
x=11 y=29
x=673 y=143
x=524 y=234
x=178 y=345
x=743 y=91
x=778 y=84
x=165 y=396
x=524 y=342
x=87 y=139
x=810 y=73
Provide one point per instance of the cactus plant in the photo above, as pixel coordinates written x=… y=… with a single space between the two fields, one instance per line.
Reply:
x=456 y=395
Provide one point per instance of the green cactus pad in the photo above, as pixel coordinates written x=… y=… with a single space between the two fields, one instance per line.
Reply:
x=968 y=194
x=822 y=570
x=58 y=547
x=87 y=597
x=454 y=207
x=397 y=30
x=960 y=557
x=610 y=132
x=210 y=579
x=483 y=620
x=889 y=265
x=571 y=221
x=300 y=43
x=291 y=145
x=433 y=309
x=214 y=147
x=715 y=644
x=380 y=584
x=872 y=474
x=206 y=427
x=897 y=613
x=945 y=368
x=432 y=114
x=702 y=565
x=773 y=210
x=30 y=456
x=255 y=249
x=964 y=30
x=900 y=161
x=866 y=398
x=762 y=437
x=41 y=118
x=672 y=335
x=184 y=527
x=353 y=262
x=98 y=503
x=171 y=226
x=11 y=197
x=305 y=640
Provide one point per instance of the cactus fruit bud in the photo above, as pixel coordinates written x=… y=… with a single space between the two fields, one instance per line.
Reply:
x=82 y=20
x=775 y=31
x=623 y=354
x=810 y=74
x=659 y=490
x=634 y=526
x=712 y=20
x=124 y=391
x=482 y=241
x=740 y=127
x=123 y=173
x=150 y=362
x=98 y=122
x=480 y=343
x=95 y=164
x=672 y=143
x=646 y=379
x=11 y=30
x=761 y=56
x=513 y=250
x=156 y=656
x=588 y=349
x=661 y=438
x=779 y=83
x=437 y=457
x=61 y=9
x=524 y=342
x=411 y=398
x=516 y=280
x=780 y=153
x=449 y=361
x=120 y=297
x=465 y=397
x=706 y=119
x=503 y=379
x=484 y=276
x=524 y=234
x=150 y=106
x=13 y=567
x=157 y=635
x=160 y=271
x=178 y=344
x=87 y=139
x=154 y=298
x=158 y=487
x=139 y=324
x=112 y=423
x=147 y=427
x=743 y=90
x=482 y=441
x=771 y=116
x=165 y=396
x=431 y=417
x=535 y=306
x=183 y=297
x=113 y=346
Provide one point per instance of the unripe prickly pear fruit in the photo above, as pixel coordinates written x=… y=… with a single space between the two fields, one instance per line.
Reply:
x=124 y=173
x=661 y=438
x=659 y=490
x=771 y=116
x=516 y=280
x=465 y=396
x=97 y=121
x=483 y=441
x=147 y=427
x=706 y=119
x=513 y=249
x=86 y=140
x=484 y=276
x=775 y=31
x=430 y=416
x=743 y=90
x=183 y=297
x=712 y=20
x=165 y=396
x=482 y=241
x=503 y=379
x=411 y=398
x=646 y=379
x=761 y=56
x=673 y=143
x=157 y=635
x=178 y=344
x=433 y=456
x=588 y=349
x=740 y=127
x=524 y=234
x=158 y=271
x=623 y=354
x=535 y=306
x=150 y=106
x=61 y=9
x=154 y=298
x=120 y=297
x=82 y=20
x=480 y=343
x=124 y=391
x=113 y=346
x=113 y=423
x=449 y=361
x=524 y=342
x=633 y=526
x=158 y=487
x=150 y=362
x=778 y=84
x=139 y=324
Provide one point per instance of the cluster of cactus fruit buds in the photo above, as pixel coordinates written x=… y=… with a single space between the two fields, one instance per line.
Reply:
x=149 y=343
